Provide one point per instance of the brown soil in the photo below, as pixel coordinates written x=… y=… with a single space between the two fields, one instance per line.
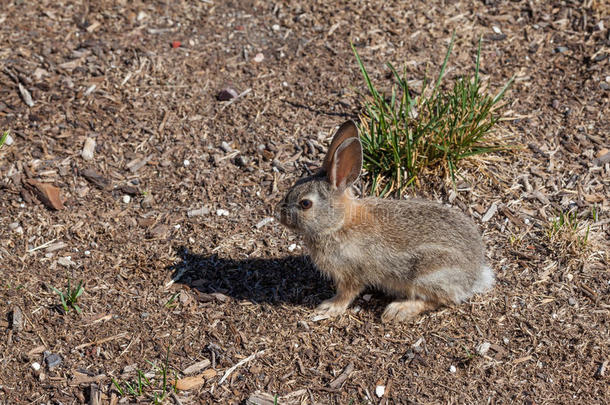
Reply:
x=108 y=70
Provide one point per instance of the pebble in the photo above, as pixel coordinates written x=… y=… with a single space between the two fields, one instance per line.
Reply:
x=13 y=225
x=258 y=58
x=36 y=366
x=222 y=212
x=9 y=140
x=452 y=369
x=292 y=247
x=241 y=161
x=87 y=253
x=186 y=162
x=496 y=29
x=88 y=149
x=126 y=199
x=226 y=94
x=53 y=360
x=275 y=27
x=367 y=297
x=571 y=301
x=226 y=147
x=380 y=390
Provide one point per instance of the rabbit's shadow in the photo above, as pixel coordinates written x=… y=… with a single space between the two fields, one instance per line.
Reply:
x=291 y=279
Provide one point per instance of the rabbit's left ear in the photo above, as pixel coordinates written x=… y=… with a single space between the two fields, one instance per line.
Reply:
x=345 y=164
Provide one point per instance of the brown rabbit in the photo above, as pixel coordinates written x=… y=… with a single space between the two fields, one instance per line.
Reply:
x=421 y=252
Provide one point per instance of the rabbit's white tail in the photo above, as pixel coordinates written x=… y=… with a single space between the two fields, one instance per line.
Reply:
x=485 y=281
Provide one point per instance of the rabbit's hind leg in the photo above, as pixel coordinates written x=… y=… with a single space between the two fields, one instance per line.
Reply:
x=404 y=310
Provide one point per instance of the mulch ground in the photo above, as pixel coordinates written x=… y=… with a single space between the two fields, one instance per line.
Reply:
x=166 y=222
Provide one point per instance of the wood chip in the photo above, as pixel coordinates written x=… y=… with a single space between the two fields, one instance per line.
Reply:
x=197 y=367
x=137 y=164
x=95 y=395
x=88 y=149
x=17 y=319
x=96 y=179
x=189 y=383
x=601 y=370
x=337 y=382
x=490 y=212
x=56 y=246
x=48 y=194
x=82 y=378
x=36 y=350
x=263 y=398
x=25 y=94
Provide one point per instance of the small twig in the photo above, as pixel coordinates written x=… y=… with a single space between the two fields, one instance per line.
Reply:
x=99 y=342
x=239 y=364
x=336 y=383
x=44 y=245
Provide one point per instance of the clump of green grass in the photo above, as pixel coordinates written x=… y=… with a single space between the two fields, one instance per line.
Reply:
x=3 y=138
x=403 y=135
x=569 y=233
x=143 y=387
x=70 y=296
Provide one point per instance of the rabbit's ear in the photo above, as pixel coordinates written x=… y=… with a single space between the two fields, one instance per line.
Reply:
x=346 y=164
x=346 y=131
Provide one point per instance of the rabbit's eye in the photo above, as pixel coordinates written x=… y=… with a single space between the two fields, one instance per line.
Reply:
x=305 y=204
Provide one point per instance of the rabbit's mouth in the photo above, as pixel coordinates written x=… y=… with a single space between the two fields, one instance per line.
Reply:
x=280 y=212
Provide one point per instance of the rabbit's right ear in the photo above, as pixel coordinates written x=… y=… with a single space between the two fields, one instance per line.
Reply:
x=346 y=164
x=345 y=131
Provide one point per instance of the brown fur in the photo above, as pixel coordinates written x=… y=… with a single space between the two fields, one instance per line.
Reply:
x=424 y=253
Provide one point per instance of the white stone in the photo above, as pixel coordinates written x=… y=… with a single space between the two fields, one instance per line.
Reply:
x=292 y=247
x=452 y=369
x=36 y=366
x=88 y=149
x=222 y=213
x=126 y=199
x=380 y=390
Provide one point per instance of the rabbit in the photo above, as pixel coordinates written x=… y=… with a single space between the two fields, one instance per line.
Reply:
x=422 y=253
